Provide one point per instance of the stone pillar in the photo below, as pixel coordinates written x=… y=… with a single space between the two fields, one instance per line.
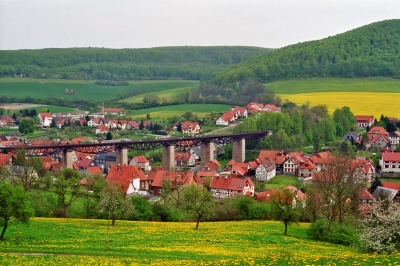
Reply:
x=67 y=159
x=238 y=150
x=122 y=155
x=207 y=153
x=168 y=157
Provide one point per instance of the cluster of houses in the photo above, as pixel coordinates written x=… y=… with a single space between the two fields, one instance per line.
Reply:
x=240 y=112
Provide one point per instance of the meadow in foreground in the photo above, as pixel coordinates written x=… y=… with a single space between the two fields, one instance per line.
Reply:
x=48 y=241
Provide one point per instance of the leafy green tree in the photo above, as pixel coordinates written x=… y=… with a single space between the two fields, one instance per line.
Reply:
x=109 y=136
x=2 y=111
x=284 y=207
x=327 y=129
x=199 y=202
x=67 y=188
x=114 y=203
x=14 y=203
x=26 y=126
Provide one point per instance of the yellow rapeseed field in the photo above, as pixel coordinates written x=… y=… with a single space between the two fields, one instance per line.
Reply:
x=360 y=103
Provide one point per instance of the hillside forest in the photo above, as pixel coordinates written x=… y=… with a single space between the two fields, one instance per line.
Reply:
x=371 y=50
x=191 y=63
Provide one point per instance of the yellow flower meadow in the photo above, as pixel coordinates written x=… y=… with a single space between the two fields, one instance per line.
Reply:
x=82 y=242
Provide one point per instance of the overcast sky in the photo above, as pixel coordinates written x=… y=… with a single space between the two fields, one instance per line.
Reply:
x=34 y=24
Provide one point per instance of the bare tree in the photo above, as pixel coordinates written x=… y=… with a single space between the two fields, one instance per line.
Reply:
x=25 y=172
x=337 y=189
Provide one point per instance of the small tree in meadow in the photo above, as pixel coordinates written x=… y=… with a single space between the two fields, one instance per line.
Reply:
x=284 y=207
x=14 y=203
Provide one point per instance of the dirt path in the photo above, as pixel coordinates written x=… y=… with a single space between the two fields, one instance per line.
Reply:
x=18 y=106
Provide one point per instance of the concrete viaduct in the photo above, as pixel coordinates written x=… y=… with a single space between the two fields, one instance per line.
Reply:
x=167 y=144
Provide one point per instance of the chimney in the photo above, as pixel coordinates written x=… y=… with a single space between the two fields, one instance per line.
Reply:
x=118 y=167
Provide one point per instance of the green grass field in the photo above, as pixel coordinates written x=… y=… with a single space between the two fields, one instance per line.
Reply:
x=87 y=90
x=50 y=241
x=167 y=111
x=297 y=86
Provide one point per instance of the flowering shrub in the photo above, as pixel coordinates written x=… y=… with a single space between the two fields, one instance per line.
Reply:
x=381 y=229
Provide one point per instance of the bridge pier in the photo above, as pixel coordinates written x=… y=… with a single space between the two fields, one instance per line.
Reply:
x=238 y=150
x=168 y=157
x=67 y=158
x=122 y=155
x=207 y=153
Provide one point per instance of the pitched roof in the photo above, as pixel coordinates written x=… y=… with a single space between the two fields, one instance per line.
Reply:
x=186 y=125
x=43 y=116
x=124 y=174
x=230 y=183
x=182 y=156
x=141 y=159
x=308 y=165
x=176 y=177
x=94 y=170
x=391 y=185
x=4 y=159
x=391 y=157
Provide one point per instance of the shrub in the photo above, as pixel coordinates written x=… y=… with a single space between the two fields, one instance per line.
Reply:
x=165 y=213
x=336 y=233
x=381 y=229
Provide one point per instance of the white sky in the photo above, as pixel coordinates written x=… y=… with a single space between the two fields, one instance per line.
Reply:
x=34 y=24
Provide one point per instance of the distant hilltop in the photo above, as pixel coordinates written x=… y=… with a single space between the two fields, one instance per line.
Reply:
x=371 y=50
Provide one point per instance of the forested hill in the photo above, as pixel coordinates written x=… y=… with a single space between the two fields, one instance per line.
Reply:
x=125 y=64
x=372 y=50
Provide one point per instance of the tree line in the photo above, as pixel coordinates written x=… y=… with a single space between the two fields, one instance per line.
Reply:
x=124 y=64
x=371 y=50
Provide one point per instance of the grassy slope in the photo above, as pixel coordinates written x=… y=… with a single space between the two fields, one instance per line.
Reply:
x=43 y=88
x=138 y=243
x=167 y=111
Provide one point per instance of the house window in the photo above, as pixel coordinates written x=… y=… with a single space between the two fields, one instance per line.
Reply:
x=159 y=190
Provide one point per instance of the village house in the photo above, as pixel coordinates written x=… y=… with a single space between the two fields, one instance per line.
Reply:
x=365 y=120
x=45 y=119
x=184 y=159
x=177 y=179
x=114 y=111
x=102 y=129
x=128 y=177
x=265 y=170
x=105 y=160
x=223 y=186
x=378 y=136
x=94 y=122
x=190 y=128
x=306 y=169
x=394 y=139
x=390 y=162
x=142 y=161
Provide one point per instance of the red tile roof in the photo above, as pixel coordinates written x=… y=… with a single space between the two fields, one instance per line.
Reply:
x=230 y=183
x=391 y=185
x=391 y=157
x=124 y=174
x=4 y=159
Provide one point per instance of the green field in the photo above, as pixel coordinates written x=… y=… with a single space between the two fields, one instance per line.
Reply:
x=167 y=111
x=87 y=90
x=167 y=95
x=53 y=241
x=297 y=86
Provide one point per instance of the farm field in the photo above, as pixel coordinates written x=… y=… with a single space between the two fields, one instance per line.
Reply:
x=360 y=103
x=297 y=86
x=167 y=111
x=85 y=89
x=54 y=241
x=166 y=95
